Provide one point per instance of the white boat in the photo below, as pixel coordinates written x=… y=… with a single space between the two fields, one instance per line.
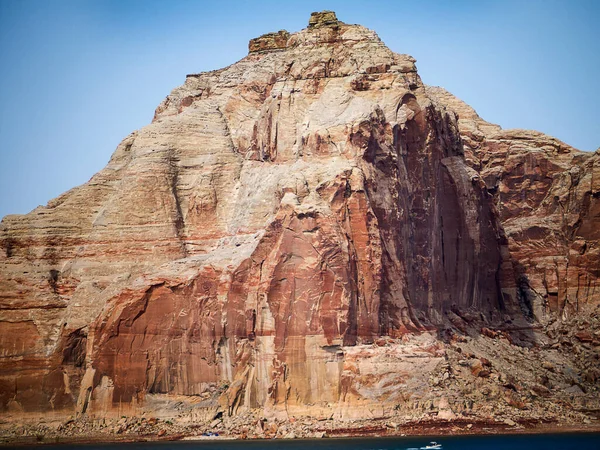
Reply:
x=432 y=446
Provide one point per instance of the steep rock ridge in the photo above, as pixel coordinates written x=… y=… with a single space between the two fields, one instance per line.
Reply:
x=275 y=221
x=548 y=198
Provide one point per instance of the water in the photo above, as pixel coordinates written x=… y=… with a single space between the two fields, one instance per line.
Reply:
x=512 y=442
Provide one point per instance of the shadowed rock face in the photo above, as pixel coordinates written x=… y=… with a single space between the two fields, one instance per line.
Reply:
x=277 y=214
x=548 y=199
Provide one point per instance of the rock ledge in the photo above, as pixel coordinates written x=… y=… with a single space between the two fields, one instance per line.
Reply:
x=323 y=18
x=269 y=41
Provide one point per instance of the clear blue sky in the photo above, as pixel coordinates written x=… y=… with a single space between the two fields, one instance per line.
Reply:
x=76 y=76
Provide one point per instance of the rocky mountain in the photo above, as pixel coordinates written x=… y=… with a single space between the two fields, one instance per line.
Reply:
x=311 y=232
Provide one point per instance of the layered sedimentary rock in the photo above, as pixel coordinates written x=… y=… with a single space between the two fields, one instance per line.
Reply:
x=548 y=198
x=276 y=218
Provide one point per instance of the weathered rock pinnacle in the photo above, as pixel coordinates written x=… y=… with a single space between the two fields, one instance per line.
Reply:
x=323 y=18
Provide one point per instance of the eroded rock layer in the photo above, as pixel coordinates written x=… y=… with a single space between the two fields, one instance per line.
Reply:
x=275 y=219
x=548 y=199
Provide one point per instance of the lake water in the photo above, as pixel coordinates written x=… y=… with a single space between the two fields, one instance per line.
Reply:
x=511 y=442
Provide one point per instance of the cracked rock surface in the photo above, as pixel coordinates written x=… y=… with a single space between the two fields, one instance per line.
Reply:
x=310 y=232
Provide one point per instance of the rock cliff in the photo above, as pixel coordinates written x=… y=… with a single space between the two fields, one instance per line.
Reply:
x=309 y=231
x=547 y=197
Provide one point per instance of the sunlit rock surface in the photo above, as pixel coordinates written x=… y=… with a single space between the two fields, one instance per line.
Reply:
x=309 y=231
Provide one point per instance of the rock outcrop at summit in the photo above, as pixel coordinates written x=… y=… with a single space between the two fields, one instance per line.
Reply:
x=276 y=220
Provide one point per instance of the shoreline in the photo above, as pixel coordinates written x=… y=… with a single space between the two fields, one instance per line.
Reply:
x=434 y=429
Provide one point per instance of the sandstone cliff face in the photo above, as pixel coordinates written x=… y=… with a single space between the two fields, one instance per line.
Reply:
x=276 y=218
x=548 y=198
